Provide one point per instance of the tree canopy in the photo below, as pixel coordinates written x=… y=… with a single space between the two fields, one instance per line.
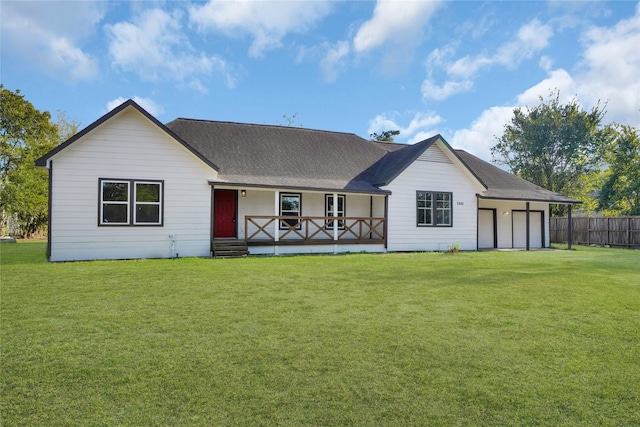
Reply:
x=384 y=136
x=26 y=134
x=620 y=192
x=554 y=145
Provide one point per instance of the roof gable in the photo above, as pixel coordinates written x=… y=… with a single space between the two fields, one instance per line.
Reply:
x=397 y=160
x=43 y=161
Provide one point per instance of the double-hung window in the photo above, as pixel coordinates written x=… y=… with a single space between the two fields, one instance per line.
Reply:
x=130 y=202
x=329 y=209
x=290 y=206
x=434 y=209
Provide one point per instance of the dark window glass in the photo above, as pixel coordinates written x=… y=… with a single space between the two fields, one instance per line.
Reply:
x=148 y=214
x=114 y=214
x=290 y=206
x=148 y=193
x=115 y=191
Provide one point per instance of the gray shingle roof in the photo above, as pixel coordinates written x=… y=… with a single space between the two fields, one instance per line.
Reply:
x=279 y=156
x=287 y=157
x=506 y=186
x=282 y=156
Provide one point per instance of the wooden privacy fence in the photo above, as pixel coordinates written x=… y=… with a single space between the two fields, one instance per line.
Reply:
x=612 y=231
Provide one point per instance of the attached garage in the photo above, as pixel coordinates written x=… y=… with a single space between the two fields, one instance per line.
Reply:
x=536 y=229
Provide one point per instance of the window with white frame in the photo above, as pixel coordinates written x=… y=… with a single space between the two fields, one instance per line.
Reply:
x=130 y=202
x=434 y=209
x=329 y=209
x=290 y=206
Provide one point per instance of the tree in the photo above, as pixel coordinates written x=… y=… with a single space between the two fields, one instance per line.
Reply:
x=620 y=192
x=291 y=121
x=385 y=136
x=26 y=134
x=554 y=145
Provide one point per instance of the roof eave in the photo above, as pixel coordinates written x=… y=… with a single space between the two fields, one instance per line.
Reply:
x=299 y=188
x=531 y=199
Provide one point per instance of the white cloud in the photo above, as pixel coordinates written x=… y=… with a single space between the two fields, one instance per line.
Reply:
x=421 y=124
x=612 y=68
x=545 y=63
x=154 y=47
x=479 y=139
x=146 y=103
x=531 y=38
x=334 y=60
x=398 y=21
x=609 y=72
x=431 y=91
x=267 y=22
x=47 y=35
x=558 y=79
x=399 y=27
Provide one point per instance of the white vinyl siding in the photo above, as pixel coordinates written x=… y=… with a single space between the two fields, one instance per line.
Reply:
x=447 y=177
x=129 y=146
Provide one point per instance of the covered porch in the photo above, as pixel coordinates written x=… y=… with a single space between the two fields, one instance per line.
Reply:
x=281 y=221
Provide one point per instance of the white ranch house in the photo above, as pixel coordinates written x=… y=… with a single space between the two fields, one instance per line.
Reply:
x=128 y=186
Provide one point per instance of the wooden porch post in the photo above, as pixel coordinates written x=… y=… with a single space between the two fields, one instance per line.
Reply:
x=276 y=232
x=335 y=216
x=386 y=221
x=528 y=227
x=335 y=223
x=570 y=230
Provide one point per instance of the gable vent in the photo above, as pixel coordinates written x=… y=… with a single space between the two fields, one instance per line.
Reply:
x=434 y=154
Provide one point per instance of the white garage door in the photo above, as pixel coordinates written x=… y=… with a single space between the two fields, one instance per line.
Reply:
x=520 y=229
x=486 y=232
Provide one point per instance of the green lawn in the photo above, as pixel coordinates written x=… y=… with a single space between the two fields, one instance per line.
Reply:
x=469 y=339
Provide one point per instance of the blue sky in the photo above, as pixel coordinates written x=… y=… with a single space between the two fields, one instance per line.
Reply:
x=424 y=67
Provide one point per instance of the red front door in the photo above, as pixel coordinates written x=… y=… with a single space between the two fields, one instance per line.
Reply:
x=224 y=213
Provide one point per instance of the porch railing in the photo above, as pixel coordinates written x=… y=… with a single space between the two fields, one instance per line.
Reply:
x=290 y=230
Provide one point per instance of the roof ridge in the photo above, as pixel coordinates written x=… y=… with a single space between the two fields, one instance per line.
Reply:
x=267 y=125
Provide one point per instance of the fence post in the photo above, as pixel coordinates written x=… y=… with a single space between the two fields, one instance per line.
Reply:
x=628 y=232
